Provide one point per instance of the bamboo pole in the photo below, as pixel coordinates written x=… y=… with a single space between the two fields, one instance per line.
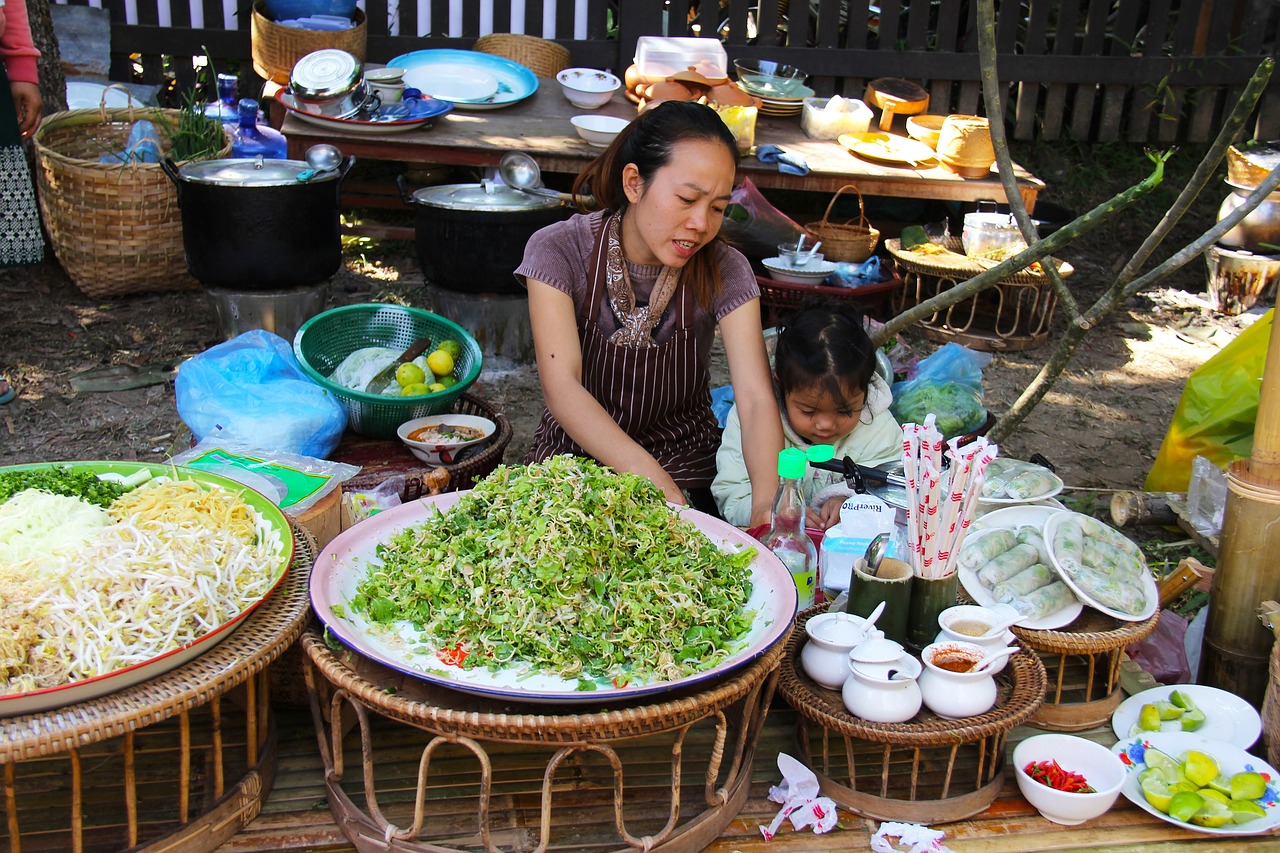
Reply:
x=1264 y=465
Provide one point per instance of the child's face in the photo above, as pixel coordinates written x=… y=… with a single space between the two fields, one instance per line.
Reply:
x=820 y=418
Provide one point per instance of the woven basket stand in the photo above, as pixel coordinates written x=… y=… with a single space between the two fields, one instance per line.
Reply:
x=848 y=242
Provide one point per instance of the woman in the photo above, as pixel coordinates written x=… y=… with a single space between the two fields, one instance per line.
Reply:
x=21 y=242
x=624 y=304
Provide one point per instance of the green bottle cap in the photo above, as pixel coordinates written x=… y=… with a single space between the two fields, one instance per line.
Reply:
x=792 y=464
x=821 y=453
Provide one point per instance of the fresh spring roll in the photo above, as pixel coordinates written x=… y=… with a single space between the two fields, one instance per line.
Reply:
x=1030 y=483
x=1024 y=582
x=1113 y=592
x=1114 y=561
x=978 y=550
x=1098 y=530
x=1004 y=566
x=1028 y=535
x=1043 y=601
x=1068 y=545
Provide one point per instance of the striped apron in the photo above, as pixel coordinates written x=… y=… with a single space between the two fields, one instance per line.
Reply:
x=659 y=395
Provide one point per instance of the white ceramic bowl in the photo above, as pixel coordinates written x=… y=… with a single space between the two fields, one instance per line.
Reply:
x=443 y=451
x=813 y=272
x=588 y=88
x=598 y=131
x=1101 y=768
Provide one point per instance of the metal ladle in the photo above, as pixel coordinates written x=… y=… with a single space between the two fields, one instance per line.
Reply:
x=322 y=158
x=521 y=172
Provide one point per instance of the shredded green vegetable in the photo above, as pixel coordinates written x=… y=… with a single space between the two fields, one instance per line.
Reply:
x=63 y=481
x=564 y=567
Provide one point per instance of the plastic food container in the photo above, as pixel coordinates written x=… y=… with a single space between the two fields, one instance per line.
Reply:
x=831 y=118
x=659 y=57
x=984 y=233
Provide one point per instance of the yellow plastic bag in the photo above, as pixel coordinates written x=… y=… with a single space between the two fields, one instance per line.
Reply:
x=1217 y=411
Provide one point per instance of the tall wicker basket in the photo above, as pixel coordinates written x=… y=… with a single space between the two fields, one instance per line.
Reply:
x=542 y=56
x=115 y=228
x=276 y=49
x=850 y=242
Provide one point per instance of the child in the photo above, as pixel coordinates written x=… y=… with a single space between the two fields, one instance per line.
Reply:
x=825 y=381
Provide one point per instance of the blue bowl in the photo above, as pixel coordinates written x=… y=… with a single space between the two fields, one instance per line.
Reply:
x=287 y=10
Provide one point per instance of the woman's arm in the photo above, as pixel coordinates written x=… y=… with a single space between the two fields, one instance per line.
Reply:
x=19 y=57
x=559 y=355
x=743 y=338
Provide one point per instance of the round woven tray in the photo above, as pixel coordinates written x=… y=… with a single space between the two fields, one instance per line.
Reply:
x=1021 y=683
x=1091 y=632
x=955 y=264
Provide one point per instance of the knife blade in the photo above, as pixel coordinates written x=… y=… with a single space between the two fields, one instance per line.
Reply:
x=386 y=375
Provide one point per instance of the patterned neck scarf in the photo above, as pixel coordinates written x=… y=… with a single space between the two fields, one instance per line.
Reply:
x=637 y=323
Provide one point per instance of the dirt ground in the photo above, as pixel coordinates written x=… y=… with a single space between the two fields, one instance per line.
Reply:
x=94 y=376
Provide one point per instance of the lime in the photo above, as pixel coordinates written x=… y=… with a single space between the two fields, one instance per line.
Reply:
x=1185 y=804
x=440 y=363
x=1243 y=811
x=1192 y=720
x=417 y=389
x=1199 y=767
x=409 y=374
x=1183 y=784
x=1149 y=718
x=1168 y=710
x=1249 y=785
x=1156 y=791
x=1212 y=814
x=1211 y=794
x=448 y=381
x=1162 y=762
x=1182 y=700
x=435 y=388
x=452 y=347
x=1221 y=783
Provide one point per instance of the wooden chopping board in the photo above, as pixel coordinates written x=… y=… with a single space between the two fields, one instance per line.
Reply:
x=895 y=96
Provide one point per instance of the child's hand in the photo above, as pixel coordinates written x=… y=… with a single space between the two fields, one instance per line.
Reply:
x=827 y=515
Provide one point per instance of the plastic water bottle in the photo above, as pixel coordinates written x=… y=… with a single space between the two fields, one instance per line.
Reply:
x=254 y=140
x=224 y=109
x=787 y=537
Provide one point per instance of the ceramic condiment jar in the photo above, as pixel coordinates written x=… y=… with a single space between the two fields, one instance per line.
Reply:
x=963 y=624
x=951 y=694
x=825 y=656
x=882 y=684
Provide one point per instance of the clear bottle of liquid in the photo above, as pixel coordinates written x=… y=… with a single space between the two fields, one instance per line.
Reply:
x=224 y=109
x=254 y=140
x=787 y=537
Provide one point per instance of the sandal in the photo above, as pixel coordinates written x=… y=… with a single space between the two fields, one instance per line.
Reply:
x=8 y=393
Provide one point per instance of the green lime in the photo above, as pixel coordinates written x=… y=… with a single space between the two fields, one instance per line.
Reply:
x=452 y=347
x=1184 y=804
x=1249 y=785
x=1221 y=783
x=1192 y=720
x=1168 y=710
x=1199 y=767
x=1243 y=811
x=409 y=374
x=1182 y=700
x=1162 y=762
x=1212 y=814
x=1156 y=791
x=417 y=389
x=435 y=388
x=448 y=381
x=440 y=363
x=1149 y=718
x=1211 y=794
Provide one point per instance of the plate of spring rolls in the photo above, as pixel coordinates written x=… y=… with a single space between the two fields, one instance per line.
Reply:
x=1012 y=481
x=1101 y=566
x=1002 y=565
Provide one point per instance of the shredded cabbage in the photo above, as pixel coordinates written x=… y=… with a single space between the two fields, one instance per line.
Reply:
x=35 y=522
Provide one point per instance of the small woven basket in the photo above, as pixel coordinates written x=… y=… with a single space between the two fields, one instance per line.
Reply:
x=850 y=242
x=115 y=228
x=276 y=49
x=542 y=56
x=327 y=338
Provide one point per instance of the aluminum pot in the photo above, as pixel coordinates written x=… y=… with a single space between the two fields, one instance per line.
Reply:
x=331 y=83
x=254 y=225
x=1259 y=231
x=471 y=237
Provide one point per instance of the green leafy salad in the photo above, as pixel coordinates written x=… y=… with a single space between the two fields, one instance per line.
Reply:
x=563 y=567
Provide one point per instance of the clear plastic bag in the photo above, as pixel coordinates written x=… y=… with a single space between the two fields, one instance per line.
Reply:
x=295 y=483
x=947 y=384
x=755 y=226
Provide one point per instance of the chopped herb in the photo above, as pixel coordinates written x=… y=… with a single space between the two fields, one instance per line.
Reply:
x=60 y=480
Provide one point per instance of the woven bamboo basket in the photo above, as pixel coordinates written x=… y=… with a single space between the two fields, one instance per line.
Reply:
x=115 y=228
x=850 y=242
x=276 y=49
x=1270 y=617
x=542 y=56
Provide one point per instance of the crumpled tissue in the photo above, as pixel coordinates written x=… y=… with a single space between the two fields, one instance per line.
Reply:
x=918 y=839
x=791 y=164
x=798 y=794
x=140 y=147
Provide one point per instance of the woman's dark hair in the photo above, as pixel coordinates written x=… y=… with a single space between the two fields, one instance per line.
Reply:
x=649 y=142
x=826 y=345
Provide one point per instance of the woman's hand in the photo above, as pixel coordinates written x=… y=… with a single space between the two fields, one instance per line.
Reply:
x=28 y=103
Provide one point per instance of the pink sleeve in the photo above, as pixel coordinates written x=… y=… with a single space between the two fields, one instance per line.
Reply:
x=16 y=50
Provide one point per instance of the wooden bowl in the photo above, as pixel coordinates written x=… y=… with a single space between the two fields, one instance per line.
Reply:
x=925 y=128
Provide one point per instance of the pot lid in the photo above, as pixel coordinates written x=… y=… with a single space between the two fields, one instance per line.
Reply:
x=325 y=73
x=839 y=629
x=881 y=650
x=991 y=221
x=485 y=197
x=249 y=173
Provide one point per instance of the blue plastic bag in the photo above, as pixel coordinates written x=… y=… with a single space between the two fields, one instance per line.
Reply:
x=947 y=384
x=140 y=147
x=250 y=389
x=858 y=275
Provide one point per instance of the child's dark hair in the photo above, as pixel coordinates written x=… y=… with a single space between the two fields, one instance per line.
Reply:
x=825 y=344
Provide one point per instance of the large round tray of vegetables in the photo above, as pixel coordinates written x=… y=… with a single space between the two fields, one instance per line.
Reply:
x=112 y=573
x=559 y=582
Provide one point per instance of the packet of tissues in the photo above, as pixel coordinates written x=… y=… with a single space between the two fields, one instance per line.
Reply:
x=798 y=794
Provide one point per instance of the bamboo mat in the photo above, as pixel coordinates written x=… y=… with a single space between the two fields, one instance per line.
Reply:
x=295 y=816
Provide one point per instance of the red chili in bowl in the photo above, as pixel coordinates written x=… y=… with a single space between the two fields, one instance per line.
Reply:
x=1051 y=773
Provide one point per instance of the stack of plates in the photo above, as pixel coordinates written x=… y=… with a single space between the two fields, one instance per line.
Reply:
x=773 y=104
x=814 y=272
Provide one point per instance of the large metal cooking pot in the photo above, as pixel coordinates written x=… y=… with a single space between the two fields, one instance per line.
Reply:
x=471 y=236
x=1259 y=231
x=259 y=224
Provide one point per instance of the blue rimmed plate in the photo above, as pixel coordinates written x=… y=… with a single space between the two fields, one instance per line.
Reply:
x=422 y=67
x=426 y=114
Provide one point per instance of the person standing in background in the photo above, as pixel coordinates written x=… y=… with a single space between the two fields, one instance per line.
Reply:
x=21 y=242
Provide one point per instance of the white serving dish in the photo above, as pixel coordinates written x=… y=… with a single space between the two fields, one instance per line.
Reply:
x=982 y=595
x=443 y=452
x=587 y=88
x=1147 y=582
x=1227 y=717
x=598 y=131
x=814 y=272
x=1102 y=770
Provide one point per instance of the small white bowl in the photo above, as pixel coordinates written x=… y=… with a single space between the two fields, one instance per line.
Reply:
x=443 y=451
x=814 y=272
x=1101 y=769
x=598 y=131
x=588 y=88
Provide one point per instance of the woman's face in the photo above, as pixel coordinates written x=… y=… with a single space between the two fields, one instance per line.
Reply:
x=819 y=418
x=681 y=208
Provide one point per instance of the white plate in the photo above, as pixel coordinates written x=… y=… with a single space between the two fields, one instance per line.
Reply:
x=1057 y=489
x=1013 y=517
x=814 y=272
x=515 y=81
x=1227 y=717
x=1147 y=581
x=1231 y=759
x=83 y=95
x=342 y=564
x=471 y=87
x=980 y=594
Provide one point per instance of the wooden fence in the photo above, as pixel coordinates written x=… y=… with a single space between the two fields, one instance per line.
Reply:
x=1101 y=70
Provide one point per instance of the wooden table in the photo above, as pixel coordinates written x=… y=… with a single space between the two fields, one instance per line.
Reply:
x=540 y=126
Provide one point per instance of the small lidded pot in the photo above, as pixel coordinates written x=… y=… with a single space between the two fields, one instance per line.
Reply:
x=882 y=685
x=969 y=623
x=950 y=686
x=825 y=656
x=330 y=83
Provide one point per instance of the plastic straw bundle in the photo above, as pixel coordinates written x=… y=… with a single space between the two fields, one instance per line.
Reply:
x=943 y=482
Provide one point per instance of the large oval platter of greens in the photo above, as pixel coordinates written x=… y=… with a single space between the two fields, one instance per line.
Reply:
x=557 y=582
x=112 y=573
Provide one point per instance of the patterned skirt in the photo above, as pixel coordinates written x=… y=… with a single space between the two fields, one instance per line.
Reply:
x=21 y=241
